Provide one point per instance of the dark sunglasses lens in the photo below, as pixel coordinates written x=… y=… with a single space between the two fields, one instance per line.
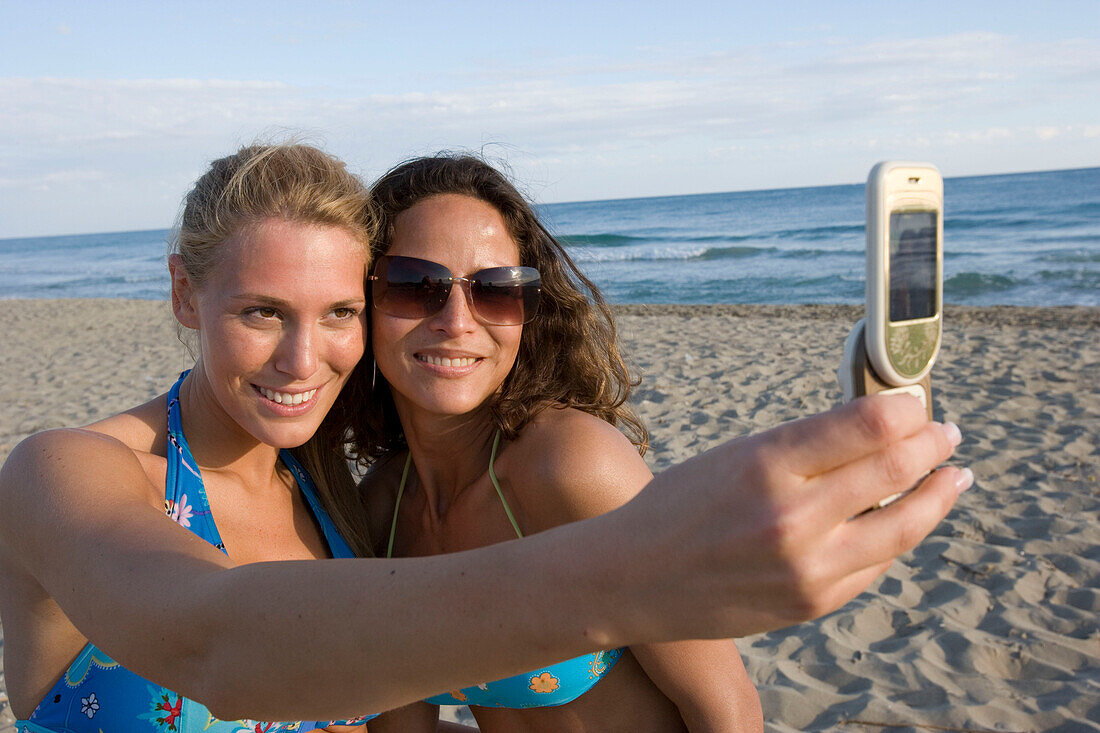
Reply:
x=408 y=287
x=506 y=296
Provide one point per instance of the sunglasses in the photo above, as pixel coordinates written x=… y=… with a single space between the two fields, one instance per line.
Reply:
x=409 y=287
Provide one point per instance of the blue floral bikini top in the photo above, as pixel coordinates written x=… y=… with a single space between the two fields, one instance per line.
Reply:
x=97 y=694
x=549 y=686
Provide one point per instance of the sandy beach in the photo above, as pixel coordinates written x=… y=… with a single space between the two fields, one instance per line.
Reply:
x=989 y=625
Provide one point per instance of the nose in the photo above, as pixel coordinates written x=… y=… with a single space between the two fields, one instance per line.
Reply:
x=457 y=315
x=296 y=355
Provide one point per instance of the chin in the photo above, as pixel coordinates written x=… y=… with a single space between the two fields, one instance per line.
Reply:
x=452 y=409
x=286 y=442
x=284 y=436
x=445 y=403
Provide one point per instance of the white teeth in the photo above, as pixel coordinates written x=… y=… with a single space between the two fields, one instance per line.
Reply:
x=459 y=361
x=284 y=398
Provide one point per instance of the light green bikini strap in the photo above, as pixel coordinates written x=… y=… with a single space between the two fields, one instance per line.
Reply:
x=492 y=477
x=397 y=505
x=496 y=485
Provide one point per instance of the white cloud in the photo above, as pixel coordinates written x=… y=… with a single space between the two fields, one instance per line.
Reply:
x=45 y=181
x=731 y=95
x=691 y=117
x=81 y=112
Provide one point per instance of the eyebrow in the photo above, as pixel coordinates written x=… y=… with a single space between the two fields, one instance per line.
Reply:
x=280 y=302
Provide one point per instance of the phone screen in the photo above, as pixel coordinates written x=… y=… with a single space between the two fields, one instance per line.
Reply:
x=912 y=265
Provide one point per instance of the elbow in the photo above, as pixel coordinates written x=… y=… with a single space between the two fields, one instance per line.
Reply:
x=223 y=707
x=746 y=719
x=732 y=711
x=218 y=669
x=228 y=693
x=220 y=704
x=747 y=714
x=751 y=712
x=206 y=676
x=237 y=669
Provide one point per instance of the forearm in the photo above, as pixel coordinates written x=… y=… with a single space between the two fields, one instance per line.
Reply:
x=405 y=629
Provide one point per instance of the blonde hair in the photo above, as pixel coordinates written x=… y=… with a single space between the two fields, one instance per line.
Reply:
x=287 y=181
x=297 y=183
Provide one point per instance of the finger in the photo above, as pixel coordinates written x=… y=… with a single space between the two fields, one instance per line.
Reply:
x=857 y=582
x=882 y=535
x=846 y=433
x=845 y=492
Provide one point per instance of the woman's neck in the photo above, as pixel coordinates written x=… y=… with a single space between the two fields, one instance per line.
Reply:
x=216 y=440
x=449 y=452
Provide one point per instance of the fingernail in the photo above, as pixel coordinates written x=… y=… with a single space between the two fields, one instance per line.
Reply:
x=954 y=435
x=964 y=480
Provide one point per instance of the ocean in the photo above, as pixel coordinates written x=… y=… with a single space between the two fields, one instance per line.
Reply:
x=1019 y=239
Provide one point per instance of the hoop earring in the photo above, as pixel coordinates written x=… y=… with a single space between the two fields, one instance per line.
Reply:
x=373 y=374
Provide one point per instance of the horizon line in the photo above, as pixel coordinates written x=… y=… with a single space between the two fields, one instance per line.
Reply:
x=608 y=200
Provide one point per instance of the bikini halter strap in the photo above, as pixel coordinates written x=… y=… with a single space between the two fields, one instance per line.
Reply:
x=492 y=477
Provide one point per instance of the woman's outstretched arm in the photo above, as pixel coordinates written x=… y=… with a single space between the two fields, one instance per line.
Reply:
x=751 y=536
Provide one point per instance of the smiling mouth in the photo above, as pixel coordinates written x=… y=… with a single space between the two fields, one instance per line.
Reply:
x=286 y=398
x=444 y=361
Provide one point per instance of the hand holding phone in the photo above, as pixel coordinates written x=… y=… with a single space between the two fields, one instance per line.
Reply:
x=892 y=349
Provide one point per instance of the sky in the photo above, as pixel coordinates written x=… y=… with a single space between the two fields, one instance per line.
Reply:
x=110 y=110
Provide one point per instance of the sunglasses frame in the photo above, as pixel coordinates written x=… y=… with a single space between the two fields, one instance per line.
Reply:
x=466 y=283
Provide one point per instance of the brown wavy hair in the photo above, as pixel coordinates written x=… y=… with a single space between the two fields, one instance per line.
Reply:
x=568 y=355
x=296 y=183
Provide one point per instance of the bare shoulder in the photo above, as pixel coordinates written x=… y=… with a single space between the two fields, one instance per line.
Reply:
x=60 y=458
x=566 y=428
x=56 y=473
x=574 y=465
x=114 y=451
x=141 y=428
